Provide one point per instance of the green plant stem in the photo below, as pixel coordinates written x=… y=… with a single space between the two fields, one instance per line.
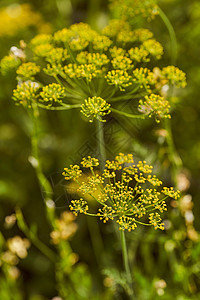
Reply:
x=33 y=237
x=173 y=156
x=101 y=144
x=127 y=114
x=174 y=47
x=126 y=263
x=35 y=161
x=63 y=107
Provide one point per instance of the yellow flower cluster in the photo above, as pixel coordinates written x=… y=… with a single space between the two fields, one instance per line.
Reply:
x=115 y=26
x=57 y=56
x=53 y=92
x=101 y=42
x=54 y=70
x=174 y=76
x=90 y=162
x=25 y=93
x=73 y=172
x=41 y=39
x=65 y=228
x=129 y=9
x=144 y=77
x=87 y=71
x=8 y=64
x=95 y=108
x=139 y=54
x=155 y=105
x=134 y=199
x=154 y=48
x=97 y=59
x=100 y=64
x=42 y=50
x=119 y=78
x=122 y=62
x=77 y=37
x=27 y=71
x=115 y=52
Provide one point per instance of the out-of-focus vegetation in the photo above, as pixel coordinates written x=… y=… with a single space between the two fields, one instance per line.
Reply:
x=43 y=256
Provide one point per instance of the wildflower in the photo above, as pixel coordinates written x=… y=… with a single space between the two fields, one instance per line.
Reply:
x=144 y=77
x=101 y=42
x=144 y=167
x=174 y=76
x=119 y=78
x=73 y=172
x=97 y=59
x=95 y=108
x=139 y=54
x=155 y=104
x=65 y=228
x=41 y=39
x=143 y=34
x=171 y=193
x=114 y=26
x=18 y=246
x=54 y=70
x=155 y=220
x=79 y=206
x=115 y=52
x=27 y=71
x=53 y=92
x=130 y=199
x=57 y=56
x=154 y=48
x=106 y=213
x=87 y=71
x=126 y=223
x=122 y=62
x=43 y=50
x=8 y=63
x=26 y=92
x=90 y=162
x=129 y=9
x=77 y=37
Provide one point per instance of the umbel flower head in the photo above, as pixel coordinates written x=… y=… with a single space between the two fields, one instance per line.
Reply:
x=126 y=192
x=80 y=67
x=95 y=108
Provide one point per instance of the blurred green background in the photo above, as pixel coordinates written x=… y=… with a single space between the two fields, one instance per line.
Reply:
x=165 y=264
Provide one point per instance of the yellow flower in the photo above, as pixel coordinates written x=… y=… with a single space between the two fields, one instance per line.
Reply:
x=95 y=108
x=128 y=198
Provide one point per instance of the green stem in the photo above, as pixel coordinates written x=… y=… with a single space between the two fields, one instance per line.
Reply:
x=174 y=47
x=33 y=237
x=35 y=161
x=126 y=264
x=63 y=107
x=101 y=144
x=173 y=156
x=127 y=114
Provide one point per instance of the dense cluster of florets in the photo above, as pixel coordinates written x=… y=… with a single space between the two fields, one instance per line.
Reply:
x=126 y=192
x=155 y=105
x=95 y=108
x=93 y=69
